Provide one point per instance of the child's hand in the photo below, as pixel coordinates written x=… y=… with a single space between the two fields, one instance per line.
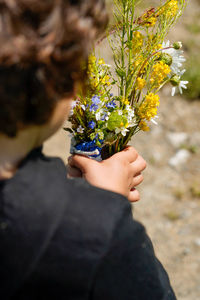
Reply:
x=119 y=173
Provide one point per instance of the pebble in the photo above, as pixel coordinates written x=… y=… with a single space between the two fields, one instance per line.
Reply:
x=179 y=158
x=157 y=156
x=197 y=242
x=177 y=138
x=186 y=251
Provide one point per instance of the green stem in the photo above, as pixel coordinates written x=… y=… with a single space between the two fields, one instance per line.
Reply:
x=160 y=87
x=123 y=49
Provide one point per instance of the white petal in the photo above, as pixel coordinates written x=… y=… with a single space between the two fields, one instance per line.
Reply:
x=173 y=91
x=154 y=122
x=183 y=86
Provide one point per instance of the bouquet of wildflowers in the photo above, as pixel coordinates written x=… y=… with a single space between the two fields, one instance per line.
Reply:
x=103 y=120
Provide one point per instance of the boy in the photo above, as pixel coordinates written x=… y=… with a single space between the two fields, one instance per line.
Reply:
x=63 y=239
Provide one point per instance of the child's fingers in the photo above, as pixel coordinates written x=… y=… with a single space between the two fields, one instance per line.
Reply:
x=80 y=162
x=134 y=195
x=137 y=180
x=138 y=165
x=128 y=154
x=73 y=172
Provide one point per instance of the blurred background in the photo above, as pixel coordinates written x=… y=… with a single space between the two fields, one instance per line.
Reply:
x=170 y=194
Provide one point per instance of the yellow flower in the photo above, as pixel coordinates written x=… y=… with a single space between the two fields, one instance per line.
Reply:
x=125 y=101
x=170 y=9
x=149 y=18
x=101 y=61
x=105 y=80
x=140 y=83
x=151 y=22
x=138 y=40
x=143 y=126
x=159 y=73
x=137 y=63
x=94 y=82
x=92 y=59
x=148 y=109
x=159 y=46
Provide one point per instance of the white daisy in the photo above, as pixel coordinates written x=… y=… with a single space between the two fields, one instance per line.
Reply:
x=176 y=55
x=130 y=111
x=80 y=129
x=180 y=86
x=121 y=130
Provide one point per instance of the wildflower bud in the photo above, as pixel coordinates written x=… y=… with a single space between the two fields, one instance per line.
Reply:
x=177 y=45
x=98 y=143
x=175 y=80
x=92 y=136
x=166 y=58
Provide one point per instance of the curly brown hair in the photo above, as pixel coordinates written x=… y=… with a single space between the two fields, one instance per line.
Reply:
x=43 y=44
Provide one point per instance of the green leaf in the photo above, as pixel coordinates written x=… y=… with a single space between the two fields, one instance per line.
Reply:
x=68 y=130
x=121 y=72
x=115 y=121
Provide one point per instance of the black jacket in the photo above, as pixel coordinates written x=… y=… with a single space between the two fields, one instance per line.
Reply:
x=64 y=239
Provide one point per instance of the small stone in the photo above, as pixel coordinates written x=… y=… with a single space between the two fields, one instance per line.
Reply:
x=177 y=138
x=197 y=242
x=179 y=158
x=157 y=156
x=186 y=251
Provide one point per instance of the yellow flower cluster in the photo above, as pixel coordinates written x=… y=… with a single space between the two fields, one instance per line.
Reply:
x=151 y=22
x=143 y=126
x=138 y=40
x=137 y=62
x=96 y=79
x=125 y=101
x=170 y=9
x=92 y=71
x=149 y=18
x=148 y=109
x=140 y=83
x=159 y=73
x=105 y=80
x=101 y=61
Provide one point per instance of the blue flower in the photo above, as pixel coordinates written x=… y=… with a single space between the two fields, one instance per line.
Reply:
x=111 y=104
x=93 y=107
x=103 y=118
x=95 y=101
x=91 y=124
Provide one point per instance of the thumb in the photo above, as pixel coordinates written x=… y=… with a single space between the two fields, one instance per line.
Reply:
x=80 y=162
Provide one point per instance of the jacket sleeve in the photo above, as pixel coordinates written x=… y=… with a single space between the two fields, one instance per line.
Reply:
x=129 y=269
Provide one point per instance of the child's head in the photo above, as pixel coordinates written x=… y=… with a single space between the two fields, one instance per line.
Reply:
x=43 y=44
